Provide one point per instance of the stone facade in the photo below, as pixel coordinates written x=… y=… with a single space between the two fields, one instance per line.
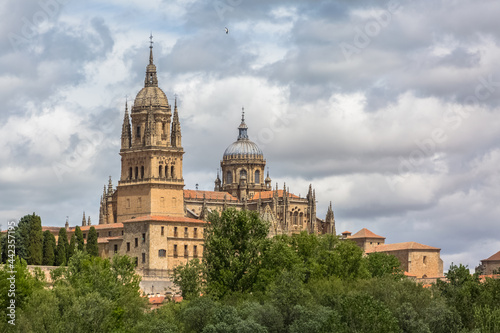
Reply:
x=490 y=266
x=420 y=261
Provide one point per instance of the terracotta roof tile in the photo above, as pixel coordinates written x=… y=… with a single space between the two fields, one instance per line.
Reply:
x=98 y=227
x=408 y=274
x=156 y=299
x=346 y=232
x=164 y=218
x=401 y=246
x=270 y=194
x=495 y=257
x=365 y=233
x=209 y=195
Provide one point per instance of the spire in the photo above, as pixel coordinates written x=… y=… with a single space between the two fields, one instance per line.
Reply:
x=110 y=186
x=84 y=220
x=88 y=221
x=243 y=127
x=126 y=129
x=66 y=225
x=176 y=128
x=151 y=80
x=149 y=132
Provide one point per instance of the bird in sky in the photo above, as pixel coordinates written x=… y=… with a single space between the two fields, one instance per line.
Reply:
x=227 y=30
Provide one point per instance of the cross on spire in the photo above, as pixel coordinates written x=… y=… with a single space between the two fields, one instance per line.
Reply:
x=151 y=40
x=242 y=114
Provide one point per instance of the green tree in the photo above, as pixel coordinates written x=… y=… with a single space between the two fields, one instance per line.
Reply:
x=232 y=250
x=189 y=278
x=35 y=241
x=21 y=236
x=62 y=248
x=80 y=243
x=92 y=247
x=380 y=264
x=49 y=248
x=71 y=247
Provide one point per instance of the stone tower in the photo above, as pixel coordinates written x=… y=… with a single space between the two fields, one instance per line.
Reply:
x=151 y=181
x=243 y=166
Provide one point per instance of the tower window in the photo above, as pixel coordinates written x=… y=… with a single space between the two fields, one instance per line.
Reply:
x=136 y=172
x=186 y=253
x=138 y=132
x=162 y=253
x=130 y=173
x=160 y=171
x=257 y=177
x=172 y=172
x=243 y=173
x=229 y=177
x=143 y=258
x=142 y=172
x=162 y=231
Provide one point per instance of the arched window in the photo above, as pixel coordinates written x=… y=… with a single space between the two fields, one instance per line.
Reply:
x=257 y=177
x=138 y=132
x=301 y=218
x=243 y=173
x=136 y=172
x=172 y=174
x=295 y=217
x=142 y=172
x=229 y=177
x=130 y=173
x=160 y=171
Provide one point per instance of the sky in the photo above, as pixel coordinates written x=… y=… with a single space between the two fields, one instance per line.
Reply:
x=390 y=109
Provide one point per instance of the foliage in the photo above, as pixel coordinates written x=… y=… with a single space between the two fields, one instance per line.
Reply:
x=380 y=264
x=62 y=248
x=21 y=236
x=35 y=241
x=80 y=243
x=92 y=247
x=71 y=247
x=49 y=248
x=189 y=278
x=232 y=250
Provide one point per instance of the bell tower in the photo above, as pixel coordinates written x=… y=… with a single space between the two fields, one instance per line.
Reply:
x=151 y=181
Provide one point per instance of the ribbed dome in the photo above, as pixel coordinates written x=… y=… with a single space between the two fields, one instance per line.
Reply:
x=243 y=147
x=153 y=95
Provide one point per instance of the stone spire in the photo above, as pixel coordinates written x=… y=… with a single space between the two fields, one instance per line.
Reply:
x=218 y=182
x=151 y=80
x=126 y=130
x=268 y=180
x=66 y=225
x=84 y=220
x=88 y=221
x=176 y=129
x=110 y=186
x=330 y=220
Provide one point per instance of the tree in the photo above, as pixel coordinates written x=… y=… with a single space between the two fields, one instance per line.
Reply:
x=71 y=247
x=92 y=247
x=21 y=236
x=380 y=264
x=49 y=248
x=62 y=248
x=35 y=241
x=80 y=244
x=189 y=278
x=232 y=250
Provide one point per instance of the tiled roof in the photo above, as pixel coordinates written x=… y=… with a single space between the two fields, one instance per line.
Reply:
x=209 y=195
x=156 y=299
x=365 y=233
x=164 y=218
x=401 y=246
x=408 y=274
x=52 y=229
x=495 y=257
x=346 y=232
x=98 y=227
x=270 y=194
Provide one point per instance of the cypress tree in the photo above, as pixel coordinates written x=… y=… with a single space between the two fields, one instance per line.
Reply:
x=35 y=241
x=62 y=248
x=80 y=244
x=92 y=247
x=49 y=248
x=21 y=236
x=72 y=247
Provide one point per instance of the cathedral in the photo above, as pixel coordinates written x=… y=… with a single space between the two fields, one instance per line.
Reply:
x=152 y=218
